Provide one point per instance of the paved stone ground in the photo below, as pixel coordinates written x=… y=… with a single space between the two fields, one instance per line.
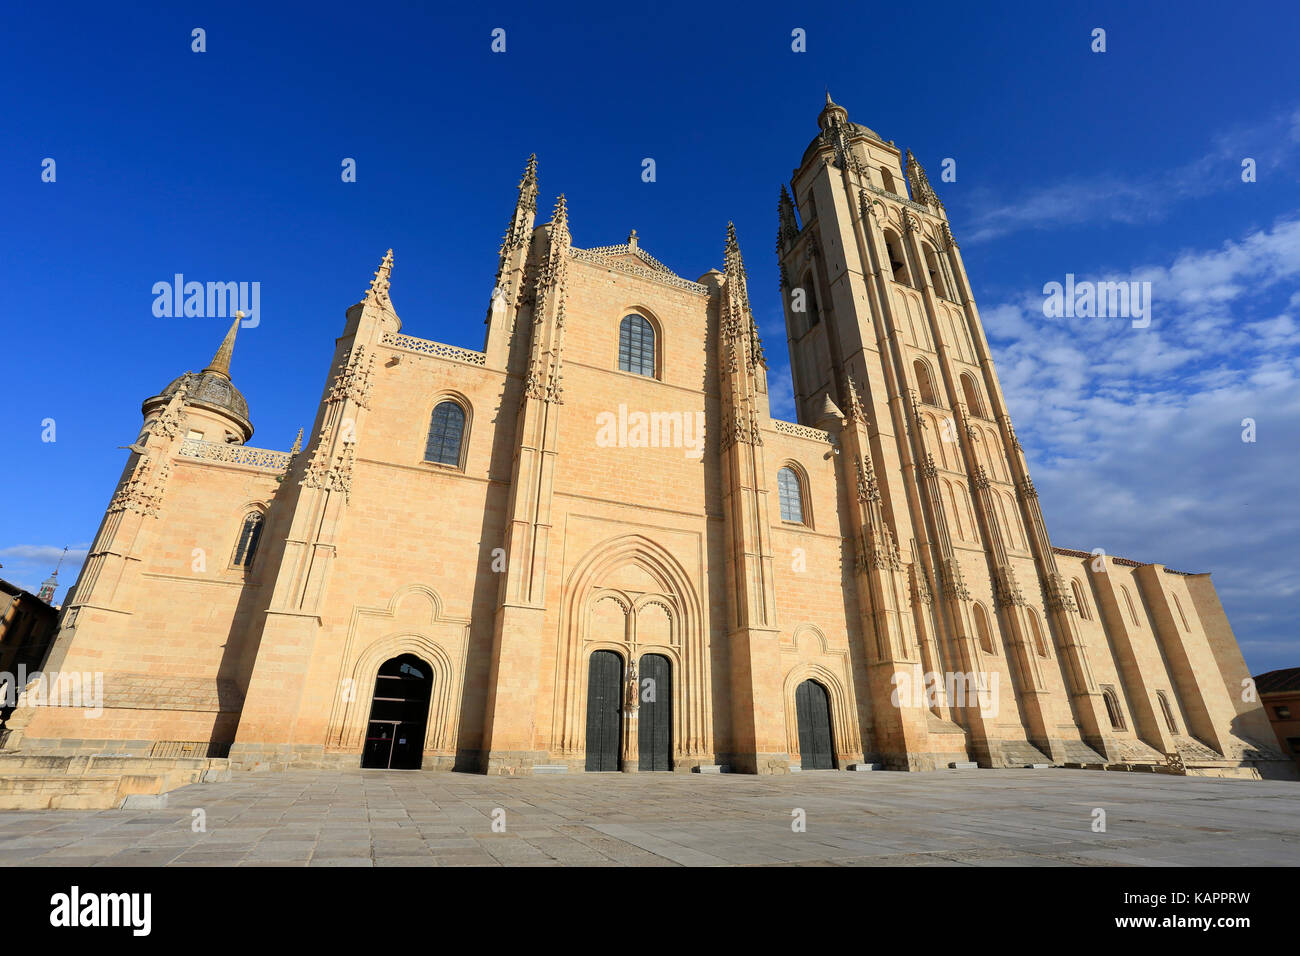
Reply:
x=947 y=818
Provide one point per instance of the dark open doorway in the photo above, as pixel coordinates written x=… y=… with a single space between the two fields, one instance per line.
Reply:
x=398 y=714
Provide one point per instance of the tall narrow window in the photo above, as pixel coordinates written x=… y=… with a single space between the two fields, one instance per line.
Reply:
x=887 y=179
x=971 y=393
x=1167 y=711
x=1112 y=707
x=897 y=259
x=446 y=433
x=790 y=494
x=1037 y=634
x=1084 y=611
x=1179 y=605
x=1128 y=600
x=937 y=278
x=982 y=629
x=250 y=532
x=924 y=385
x=636 y=345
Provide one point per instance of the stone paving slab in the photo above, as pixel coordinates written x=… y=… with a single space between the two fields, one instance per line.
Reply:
x=957 y=818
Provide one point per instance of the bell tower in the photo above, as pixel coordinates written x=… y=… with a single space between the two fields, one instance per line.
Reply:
x=880 y=320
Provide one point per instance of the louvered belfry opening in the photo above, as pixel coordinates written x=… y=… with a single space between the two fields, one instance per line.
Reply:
x=399 y=712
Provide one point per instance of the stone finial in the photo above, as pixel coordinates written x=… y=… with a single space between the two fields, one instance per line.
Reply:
x=221 y=361
x=297 y=444
x=530 y=172
x=631 y=239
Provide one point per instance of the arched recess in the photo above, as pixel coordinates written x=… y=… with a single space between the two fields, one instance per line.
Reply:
x=413 y=622
x=844 y=727
x=982 y=631
x=673 y=592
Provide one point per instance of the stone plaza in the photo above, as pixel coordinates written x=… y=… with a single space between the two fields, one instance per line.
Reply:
x=421 y=818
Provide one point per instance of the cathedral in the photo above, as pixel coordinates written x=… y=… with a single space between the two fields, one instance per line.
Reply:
x=590 y=547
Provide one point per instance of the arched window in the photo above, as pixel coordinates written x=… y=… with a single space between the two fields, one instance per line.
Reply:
x=790 y=494
x=897 y=260
x=971 y=393
x=887 y=179
x=1084 y=611
x=1179 y=604
x=636 y=345
x=250 y=533
x=1037 y=634
x=446 y=434
x=1112 y=707
x=1167 y=711
x=1128 y=600
x=924 y=384
x=982 y=629
x=937 y=278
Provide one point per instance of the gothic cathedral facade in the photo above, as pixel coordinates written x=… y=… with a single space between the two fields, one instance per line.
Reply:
x=589 y=546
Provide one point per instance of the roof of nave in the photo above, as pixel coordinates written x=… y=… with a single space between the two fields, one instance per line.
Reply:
x=632 y=249
x=1126 y=562
x=1288 y=678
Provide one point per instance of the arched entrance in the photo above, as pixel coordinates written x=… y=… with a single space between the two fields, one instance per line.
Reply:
x=398 y=714
x=813 y=710
x=604 y=710
x=655 y=716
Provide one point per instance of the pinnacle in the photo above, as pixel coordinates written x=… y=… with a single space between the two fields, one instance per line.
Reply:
x=221 y=361
x=379 y=284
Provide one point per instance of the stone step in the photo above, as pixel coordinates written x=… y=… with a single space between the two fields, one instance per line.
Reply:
x=963 y=765
x=551 y=768
x=862 y=767
x=717 y=768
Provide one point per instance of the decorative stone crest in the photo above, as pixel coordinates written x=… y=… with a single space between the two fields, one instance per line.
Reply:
x=142 y=492
x=353 y=379
x=1026 y=488
x=951 y=580
x=1006 y=589
x=868 y=489
x=1057 y=594
x=920 y=587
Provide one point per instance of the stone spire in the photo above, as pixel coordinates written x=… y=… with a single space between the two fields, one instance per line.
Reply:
x=521 y=221
x=740 y=320
x=379 y=284
x=788 y=228
x=220 y=363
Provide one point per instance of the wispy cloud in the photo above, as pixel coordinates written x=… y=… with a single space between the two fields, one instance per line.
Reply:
x=1274 y=145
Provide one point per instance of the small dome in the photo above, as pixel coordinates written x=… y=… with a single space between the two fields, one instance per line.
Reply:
x=211 y=389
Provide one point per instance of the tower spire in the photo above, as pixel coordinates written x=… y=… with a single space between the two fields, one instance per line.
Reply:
x=221 y=361
x=51 y=584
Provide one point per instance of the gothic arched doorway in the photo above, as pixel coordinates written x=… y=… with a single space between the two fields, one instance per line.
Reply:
x=604 y=710
x=655 y=715
x=399 y=712
x=813 y=709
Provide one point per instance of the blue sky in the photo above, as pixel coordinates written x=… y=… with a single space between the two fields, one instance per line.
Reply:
x=225 y=166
